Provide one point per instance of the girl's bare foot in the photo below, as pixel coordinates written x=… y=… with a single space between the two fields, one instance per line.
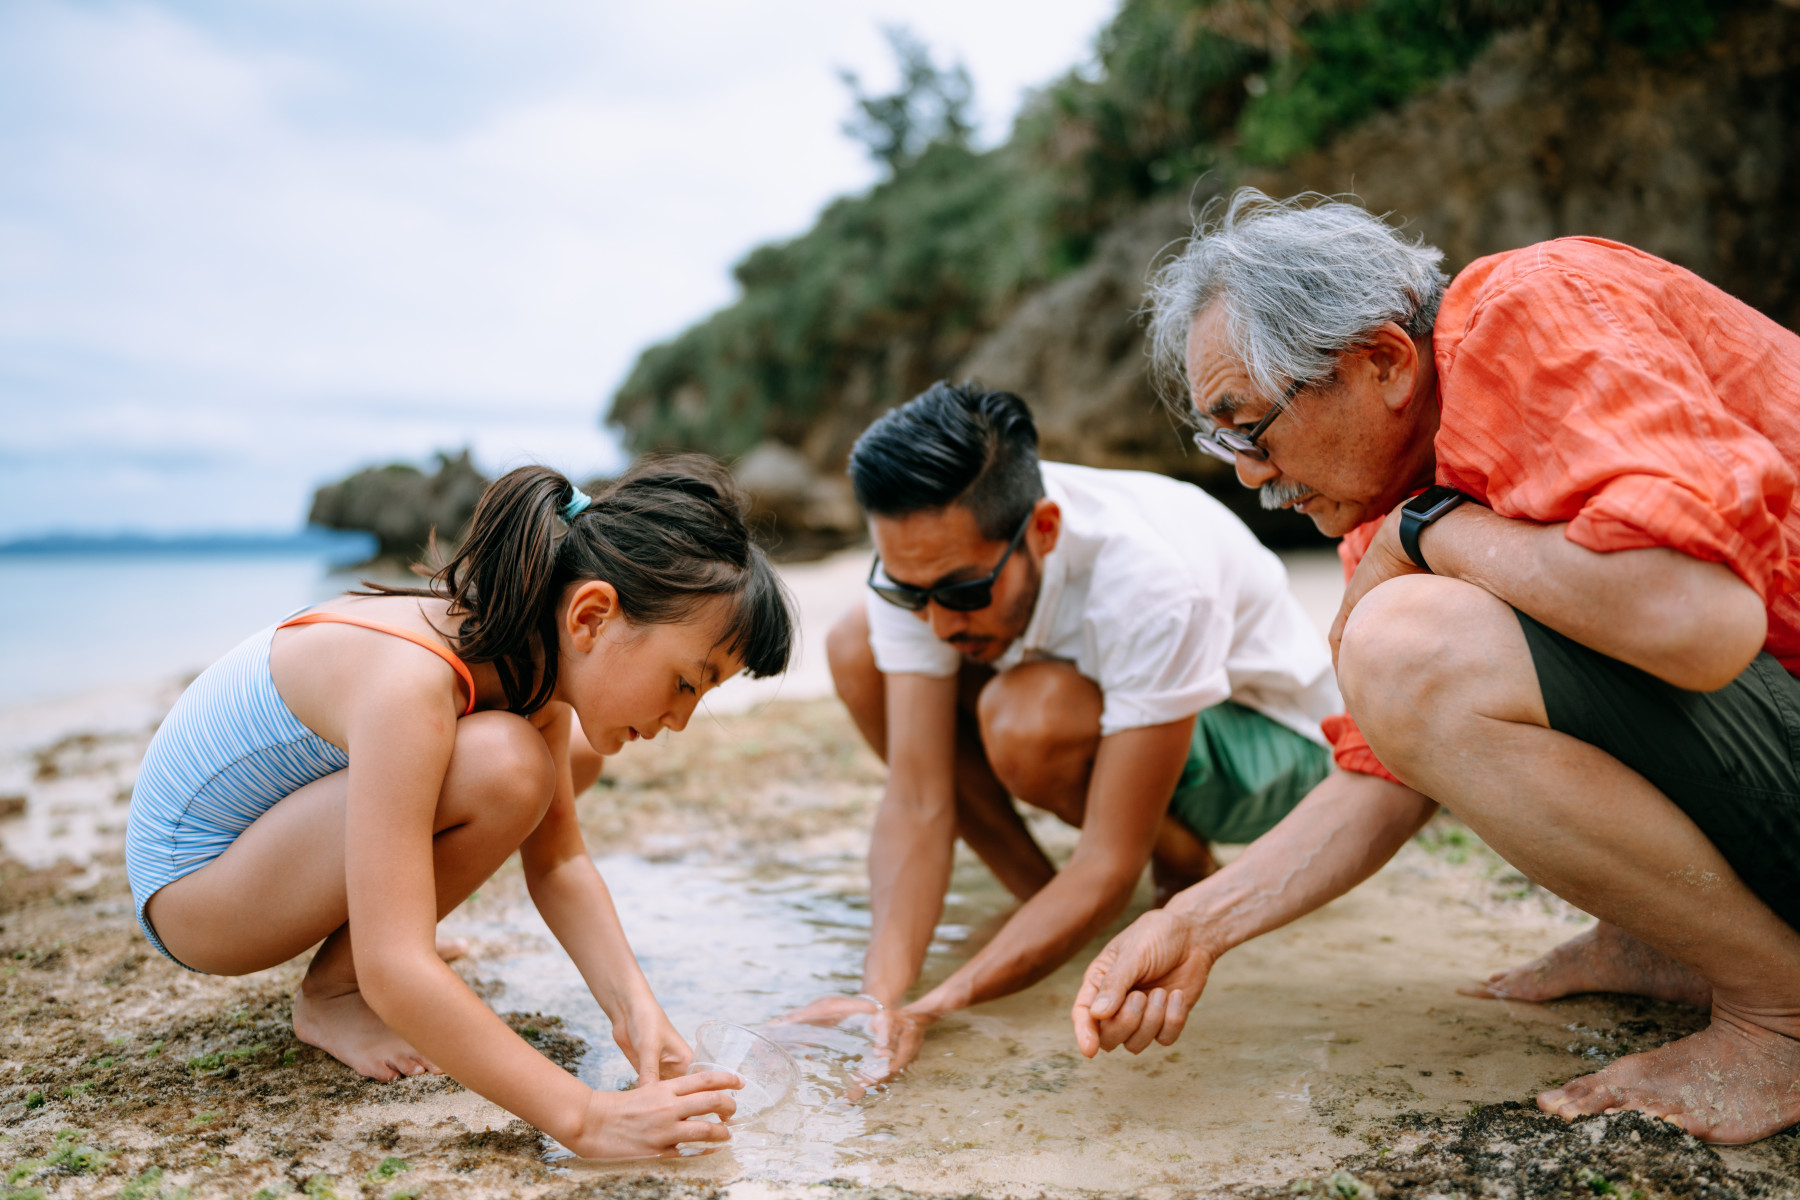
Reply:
x=345 y=1027
x=1604 y=959
x=451 y=949
x=1735 y=1081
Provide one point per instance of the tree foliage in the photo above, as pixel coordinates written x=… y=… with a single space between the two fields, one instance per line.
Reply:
x=930 y=106
x=890 y=288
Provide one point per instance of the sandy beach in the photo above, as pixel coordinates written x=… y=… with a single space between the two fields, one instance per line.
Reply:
x=1331 y=1058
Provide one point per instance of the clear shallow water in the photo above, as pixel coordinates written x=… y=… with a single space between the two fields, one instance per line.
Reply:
x=719 y=943
x=733 y=943
x=74 y=624
x=1307 y=1038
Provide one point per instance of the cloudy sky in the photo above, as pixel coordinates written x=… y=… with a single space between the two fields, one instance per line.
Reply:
x=248 y=246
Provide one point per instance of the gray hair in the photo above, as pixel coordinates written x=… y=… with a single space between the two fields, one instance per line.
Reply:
x=1302 y=280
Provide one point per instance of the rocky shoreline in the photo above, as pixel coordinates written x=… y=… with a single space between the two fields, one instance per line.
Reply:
x=123 y=1075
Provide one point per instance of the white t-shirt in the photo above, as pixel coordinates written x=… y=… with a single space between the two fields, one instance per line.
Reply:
x=1163 y=598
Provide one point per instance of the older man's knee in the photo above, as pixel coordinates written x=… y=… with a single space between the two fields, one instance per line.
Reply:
x=1037 y=722
x=1409 y=657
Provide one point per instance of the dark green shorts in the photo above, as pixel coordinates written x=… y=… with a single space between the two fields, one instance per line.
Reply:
x=1244 y=773
x=1729 y=759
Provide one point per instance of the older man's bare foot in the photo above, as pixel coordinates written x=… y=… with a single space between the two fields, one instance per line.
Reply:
x=1604 y=959
x=1732 y=1082
x=345 y=1027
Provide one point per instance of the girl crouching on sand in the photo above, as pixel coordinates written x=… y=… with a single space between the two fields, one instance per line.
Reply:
x=353 y=773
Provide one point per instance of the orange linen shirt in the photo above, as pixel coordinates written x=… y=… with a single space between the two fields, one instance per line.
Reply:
x=1586 y=382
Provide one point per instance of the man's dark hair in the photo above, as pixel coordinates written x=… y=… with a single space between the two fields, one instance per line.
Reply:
x=951 y=444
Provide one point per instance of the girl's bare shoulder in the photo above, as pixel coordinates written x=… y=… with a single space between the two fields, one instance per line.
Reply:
x=419 y=614
x=321 y=669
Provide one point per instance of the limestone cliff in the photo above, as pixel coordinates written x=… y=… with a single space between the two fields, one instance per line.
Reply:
x=1554 y=128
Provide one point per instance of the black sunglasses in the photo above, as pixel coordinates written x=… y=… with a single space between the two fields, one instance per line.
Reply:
x=1225 y=443
x=967 y=596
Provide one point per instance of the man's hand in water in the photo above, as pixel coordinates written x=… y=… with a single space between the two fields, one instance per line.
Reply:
x=897 y=1033
x=651 y=1044
x=829 y=1010
x=1142 y=986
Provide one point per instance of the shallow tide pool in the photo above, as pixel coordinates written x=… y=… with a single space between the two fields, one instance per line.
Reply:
x=722 y=943
x=1345 y=1018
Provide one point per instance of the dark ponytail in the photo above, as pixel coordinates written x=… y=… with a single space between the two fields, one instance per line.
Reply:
x=669 y=535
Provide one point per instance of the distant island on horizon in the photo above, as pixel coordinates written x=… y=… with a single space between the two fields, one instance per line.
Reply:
x=339 y=546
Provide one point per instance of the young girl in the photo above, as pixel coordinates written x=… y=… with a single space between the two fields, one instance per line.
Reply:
x=353 y=773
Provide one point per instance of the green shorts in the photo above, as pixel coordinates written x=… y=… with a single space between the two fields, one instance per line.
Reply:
x=1729 y=759
x=1244 y=773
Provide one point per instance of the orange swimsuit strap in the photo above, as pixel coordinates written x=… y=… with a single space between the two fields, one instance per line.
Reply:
x=417 y=639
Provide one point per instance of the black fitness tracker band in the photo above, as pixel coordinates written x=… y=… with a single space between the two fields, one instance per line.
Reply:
x=1421 y=511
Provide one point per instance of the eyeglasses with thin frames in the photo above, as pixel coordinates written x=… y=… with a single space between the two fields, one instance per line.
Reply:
x=1225 y=443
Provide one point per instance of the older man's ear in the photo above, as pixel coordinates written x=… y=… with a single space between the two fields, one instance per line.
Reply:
x=1393 y=359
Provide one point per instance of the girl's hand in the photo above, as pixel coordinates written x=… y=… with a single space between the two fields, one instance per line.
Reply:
x=651 y=1044
x=652 y=1119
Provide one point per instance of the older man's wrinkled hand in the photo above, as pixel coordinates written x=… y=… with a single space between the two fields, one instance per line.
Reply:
x=1142 y=987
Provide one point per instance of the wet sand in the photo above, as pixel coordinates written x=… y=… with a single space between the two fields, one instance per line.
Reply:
x=1332 y=1057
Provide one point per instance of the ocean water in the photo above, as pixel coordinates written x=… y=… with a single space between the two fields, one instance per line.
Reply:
x=71 y=624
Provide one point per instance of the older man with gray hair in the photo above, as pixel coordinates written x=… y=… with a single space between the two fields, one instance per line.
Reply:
x=1565 y=486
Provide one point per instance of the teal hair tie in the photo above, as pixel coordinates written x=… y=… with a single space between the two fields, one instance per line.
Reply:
x=578 y=504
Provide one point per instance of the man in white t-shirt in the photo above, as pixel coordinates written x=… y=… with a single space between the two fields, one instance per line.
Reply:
x=1112 y=646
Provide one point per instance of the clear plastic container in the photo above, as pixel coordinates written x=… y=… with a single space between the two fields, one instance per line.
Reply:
x=769 y=1073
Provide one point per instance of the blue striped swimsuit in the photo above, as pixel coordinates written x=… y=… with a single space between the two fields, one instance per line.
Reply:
x=225 y=754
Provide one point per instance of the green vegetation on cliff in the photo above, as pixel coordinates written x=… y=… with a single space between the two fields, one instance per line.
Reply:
x=890 y=288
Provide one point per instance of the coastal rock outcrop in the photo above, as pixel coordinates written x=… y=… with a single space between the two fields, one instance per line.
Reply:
x=1674 y=135
x=1558 y=127
x=402 y=505
x=1550 y=133
x=799 y=509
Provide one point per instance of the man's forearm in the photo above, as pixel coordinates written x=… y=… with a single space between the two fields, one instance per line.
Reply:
x=1691 y=623
x=1044 y=934
x=1338 y=836
x=910 y=857
x=1134 y=772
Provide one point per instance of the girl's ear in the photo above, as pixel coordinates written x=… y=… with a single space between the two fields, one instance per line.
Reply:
x=591 y=605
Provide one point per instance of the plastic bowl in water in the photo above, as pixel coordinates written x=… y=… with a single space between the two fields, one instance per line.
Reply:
x=768 y=1072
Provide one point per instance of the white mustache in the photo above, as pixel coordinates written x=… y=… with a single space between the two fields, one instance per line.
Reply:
x=1279 y=494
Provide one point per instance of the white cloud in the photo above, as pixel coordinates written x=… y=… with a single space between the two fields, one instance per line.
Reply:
x=249 y=248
